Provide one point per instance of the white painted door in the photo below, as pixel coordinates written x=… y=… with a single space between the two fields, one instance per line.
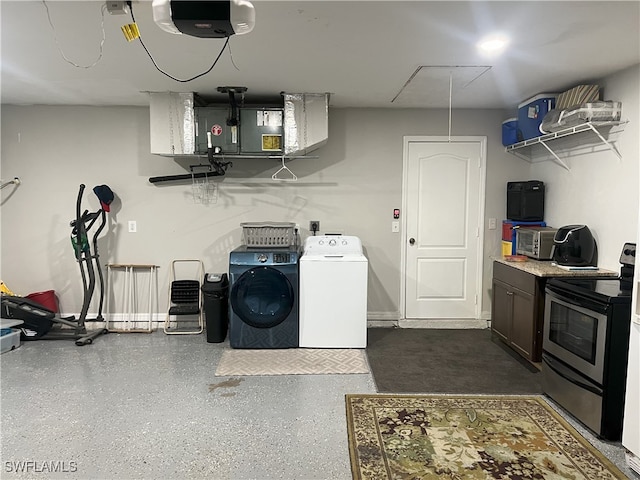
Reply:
x=444 y=206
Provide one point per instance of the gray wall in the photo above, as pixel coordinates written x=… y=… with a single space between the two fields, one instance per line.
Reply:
x=352 y=187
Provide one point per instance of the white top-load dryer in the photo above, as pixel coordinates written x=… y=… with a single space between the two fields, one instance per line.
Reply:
x=333 y=293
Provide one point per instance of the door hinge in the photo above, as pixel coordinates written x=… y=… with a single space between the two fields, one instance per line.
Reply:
x=476 y=299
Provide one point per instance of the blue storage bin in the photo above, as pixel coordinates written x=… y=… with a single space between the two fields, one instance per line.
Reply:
x=510 y=131
x=531 y=113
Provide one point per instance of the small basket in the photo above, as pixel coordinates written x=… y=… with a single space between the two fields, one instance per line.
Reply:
x=268 y=234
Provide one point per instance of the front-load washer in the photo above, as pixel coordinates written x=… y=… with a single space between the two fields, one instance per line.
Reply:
x=333 y=293
x=263 y=297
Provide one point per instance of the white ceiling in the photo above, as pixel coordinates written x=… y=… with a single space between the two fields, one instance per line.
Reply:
x=361 y=52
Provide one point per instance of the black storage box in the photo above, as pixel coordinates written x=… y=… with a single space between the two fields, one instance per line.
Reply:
x=216 y=306
x=525 y=201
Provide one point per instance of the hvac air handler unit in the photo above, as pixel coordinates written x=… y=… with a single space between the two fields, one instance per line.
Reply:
x=180 y=124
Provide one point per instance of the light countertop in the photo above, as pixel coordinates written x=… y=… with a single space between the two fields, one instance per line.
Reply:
x=549 y=269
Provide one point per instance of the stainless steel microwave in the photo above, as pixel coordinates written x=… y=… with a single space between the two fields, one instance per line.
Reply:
x=535 y=242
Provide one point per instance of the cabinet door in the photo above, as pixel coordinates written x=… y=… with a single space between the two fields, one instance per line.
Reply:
x=501 y=310
x=522 y=323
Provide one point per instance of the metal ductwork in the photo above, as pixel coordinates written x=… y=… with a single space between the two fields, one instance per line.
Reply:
x=306 y=122
x=181 y=125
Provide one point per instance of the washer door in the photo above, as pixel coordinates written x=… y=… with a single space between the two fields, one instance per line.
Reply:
x=262 y=297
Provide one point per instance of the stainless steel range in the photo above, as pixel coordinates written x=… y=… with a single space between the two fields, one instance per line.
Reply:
x=585 y=346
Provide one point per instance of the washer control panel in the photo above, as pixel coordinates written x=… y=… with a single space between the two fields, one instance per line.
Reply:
x=253 y=256
x=333 y=245
x=281 y=258
x=272 y=258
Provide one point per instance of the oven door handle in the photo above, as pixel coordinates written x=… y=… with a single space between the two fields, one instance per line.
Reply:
x=577 y=300
x=569 y=375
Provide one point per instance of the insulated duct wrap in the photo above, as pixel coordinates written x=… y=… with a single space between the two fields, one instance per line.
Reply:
x=172 y=123
x=306 y=122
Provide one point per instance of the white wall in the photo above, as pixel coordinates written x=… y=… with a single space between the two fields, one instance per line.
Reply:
x=352 y=188
x=601 y=190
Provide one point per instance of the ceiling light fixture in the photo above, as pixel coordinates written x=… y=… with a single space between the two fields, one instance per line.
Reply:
x=493 y=44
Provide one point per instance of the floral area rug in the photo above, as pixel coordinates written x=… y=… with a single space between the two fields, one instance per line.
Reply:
x=467 y=437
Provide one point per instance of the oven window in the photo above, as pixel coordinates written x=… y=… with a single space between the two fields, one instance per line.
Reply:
x=525 y=242
x=574 y=331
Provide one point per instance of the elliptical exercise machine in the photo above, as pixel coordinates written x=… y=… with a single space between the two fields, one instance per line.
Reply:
x=42 y=323
x=86 y=256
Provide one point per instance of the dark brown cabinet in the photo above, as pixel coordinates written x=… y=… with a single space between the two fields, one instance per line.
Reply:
x=517 y=310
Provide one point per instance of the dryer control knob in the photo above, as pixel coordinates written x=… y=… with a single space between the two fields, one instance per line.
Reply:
x=332 y=242
x=262 y=258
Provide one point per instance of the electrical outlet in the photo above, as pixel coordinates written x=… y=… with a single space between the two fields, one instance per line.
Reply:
x=492 y=224
x=116 y=7
x=395 y=226
x=314 y=225
x=133 y=226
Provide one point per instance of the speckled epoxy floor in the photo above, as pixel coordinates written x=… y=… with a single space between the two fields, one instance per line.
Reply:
x=149 y=406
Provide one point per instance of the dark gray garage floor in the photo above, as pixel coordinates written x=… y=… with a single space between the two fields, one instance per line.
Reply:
x=447 y=361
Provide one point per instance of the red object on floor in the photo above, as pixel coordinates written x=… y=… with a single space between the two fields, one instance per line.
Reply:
x=47 y=299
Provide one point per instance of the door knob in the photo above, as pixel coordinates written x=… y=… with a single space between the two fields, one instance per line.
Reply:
x=412 y=241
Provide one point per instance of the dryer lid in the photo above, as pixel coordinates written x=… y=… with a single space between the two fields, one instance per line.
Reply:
x=333 y=245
